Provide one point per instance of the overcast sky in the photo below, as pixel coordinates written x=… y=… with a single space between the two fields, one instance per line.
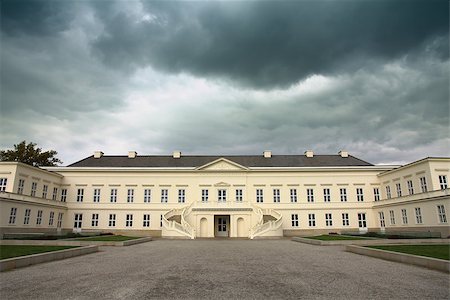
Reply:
x=236 y=77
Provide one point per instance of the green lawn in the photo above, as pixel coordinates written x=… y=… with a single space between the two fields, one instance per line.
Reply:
x=326 y=237
x=8 y=251
x=108 y=238
x=436 y=251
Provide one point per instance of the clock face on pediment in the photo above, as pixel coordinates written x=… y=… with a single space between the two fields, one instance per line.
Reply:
x=222 y=165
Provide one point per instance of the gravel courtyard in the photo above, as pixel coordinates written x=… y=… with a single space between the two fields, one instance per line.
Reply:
x=236 y=269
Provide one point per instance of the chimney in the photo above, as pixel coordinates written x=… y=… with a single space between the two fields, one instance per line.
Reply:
x=176 y=154
x=309 y=153
x=132 y=154
x=343 y=153
x=98 y=154
x=267 y=154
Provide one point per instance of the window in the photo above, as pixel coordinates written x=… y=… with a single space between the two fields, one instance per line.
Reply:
x=362 y=223
x=161 y=221
x=55 y=193
x=112 y=220
x=164 y=196
x=392 y=217
x=276 y=195
x=423 y=184
x=205 y=195
x=147 y=195
x=26 y=219
x=12 y=215
x=388 y=192
x=3 y=182
x=259 y=196
x=293 y=195
x=146 y=222
x=78 y=220
x=294 y=220
x=343 y=195
x=96 y=195
x=130 y=196
x=51 y=218
x=399 y=189
x=311 y=220
x=410 y=187
x=441 y=213
x=63 y=195
x=80 y=195
x=418 y=215
x=376 y=194
x=129 y=220
x=33 y=189
x=39 y=217
x=20 y=186
x=443 y=181
x=382 y=221
x=222 y=195
x=326 y=195
x=60 y=218
x=310 y=195
x=239 y=195
x=359 y=195
x=44 y=191
x=404 y=217
x=113 y=197
x=345 y=220
x=328 y=220
x=94 y=220
x=181 y=196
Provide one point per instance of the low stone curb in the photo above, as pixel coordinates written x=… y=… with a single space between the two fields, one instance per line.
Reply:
x=370 y=242
x=422 y=261
x=33 y=259
x=74 y=243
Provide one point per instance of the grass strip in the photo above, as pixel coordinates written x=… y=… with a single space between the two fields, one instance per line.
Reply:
x=108 y=238
x=326 y=237
x=8 y=251
x=435 y=251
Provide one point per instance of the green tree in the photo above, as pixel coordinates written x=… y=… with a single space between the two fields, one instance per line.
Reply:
x=31 y=155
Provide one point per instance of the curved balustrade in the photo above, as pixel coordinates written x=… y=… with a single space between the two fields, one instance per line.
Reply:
x=262 y=228
x=183 y=228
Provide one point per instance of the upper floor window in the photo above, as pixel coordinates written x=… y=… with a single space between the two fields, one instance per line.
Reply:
x=164 y=195
x=441 y=213
x=376 y=194
x=443 y=182
x=328 y=220
x=3 y=182
x=404 y=217
x=44 y=191
x=310 y=195
x=382 y=221
x=147 y=195
x=410 y=187
x=239 y=195
x=362 y=222
x=418 y=215
x=276 y=195
x=388 y=192
x=392 y=217
x=326 y=195
x=33 y=189
x=423 y=184
x=359 y=195
x=205 y=195
x=311 y=220
x=399 y=189
x=113 y=196
x=343 y=193
x=345 y=220
x=222 y=195
x=55 y=193
x=181 y=196
x=129 y=220
x=20 y=186
x=259 y=196
x=80 y=195
x=63 y=195
x=12 y=215
x=293 y=195
x=130 y=196
x=96 y=195
x=294 y=220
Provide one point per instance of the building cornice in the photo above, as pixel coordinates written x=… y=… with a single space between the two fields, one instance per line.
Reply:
x=415 y=163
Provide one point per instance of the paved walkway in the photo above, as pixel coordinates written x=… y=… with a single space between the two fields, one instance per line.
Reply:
x=236 y=269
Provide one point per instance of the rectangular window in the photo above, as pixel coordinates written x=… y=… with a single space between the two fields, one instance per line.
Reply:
x=443 y=181
x=78 y=221
x=294 y=220
x=181 y=196
x=418 y=215
x=26 y=219
x=311 y=220
x=161 y=221
x=205 y=195
x=359 y=195
x=112 y=220
x=80 y=195
x=310 y=195
x=259 y=196
x=55 y=193
x=326 y=195
x=60 y=218
x=129 y=220
x=146 y=222
x=345 y=220
x=63 y=195
x=410 y=187
x=441 y=213
x=239 y=195
x=94 y=222
x=164 y=196
x=423 y=184
x=399 y=189
x=328 y=220
x=382 y=221
x=222 y=195
x=388 y=192
x=39 y=217
x=51 y=218
x=404 y=217
x=12 y=215
x=96 y=195
x=147 y=195
x=392 y=217
x=44 y=191
x=113 y=197
x=3 y=182
x=20 y=186
x=33 y=189
x=343 y=193
x=276 y=195
x=376 y=194
x=293 y=195
x=130 y=196
x=362 y=222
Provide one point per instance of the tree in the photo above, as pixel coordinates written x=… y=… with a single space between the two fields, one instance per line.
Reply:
x=31 y=155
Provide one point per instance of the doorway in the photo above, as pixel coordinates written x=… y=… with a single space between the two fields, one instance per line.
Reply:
x=222 y=226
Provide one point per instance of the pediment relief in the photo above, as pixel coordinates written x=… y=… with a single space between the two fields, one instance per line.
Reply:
x=222 y=184
x=222 y=164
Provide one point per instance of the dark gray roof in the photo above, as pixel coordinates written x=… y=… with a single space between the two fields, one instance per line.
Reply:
x=244 y=160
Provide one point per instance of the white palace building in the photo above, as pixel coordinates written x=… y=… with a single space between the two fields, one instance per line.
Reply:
x=246 y=196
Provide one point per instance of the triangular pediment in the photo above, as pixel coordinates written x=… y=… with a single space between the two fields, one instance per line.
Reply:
x=222 y=164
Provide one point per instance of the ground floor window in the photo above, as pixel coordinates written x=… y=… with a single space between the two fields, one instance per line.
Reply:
x=392 y=217
x=382 y=221
x=112 y=220
x=418 y=215
x=328 y=220
x=294 y=220
x=404 y=217
x=78 y=220
x=94 y=222
x=60 y=218
x=362 y=223
x=146 y=222
x=51 y=218
x=345 y=220
x=441 y=213
x=12 y=215
x=129 y=220
x=312 y=220
x=39 y=217
x=26 y=219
